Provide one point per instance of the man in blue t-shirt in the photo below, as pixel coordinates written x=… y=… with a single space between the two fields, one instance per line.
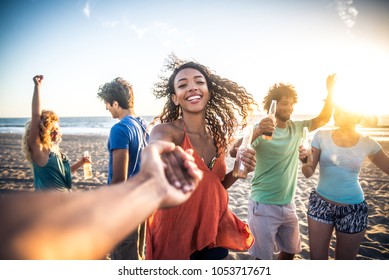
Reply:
x=126 y=140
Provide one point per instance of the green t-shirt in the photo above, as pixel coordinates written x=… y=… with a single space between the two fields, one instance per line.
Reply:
x=275 y=176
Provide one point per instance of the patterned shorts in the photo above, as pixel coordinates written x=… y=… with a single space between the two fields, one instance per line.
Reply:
x=350 y=218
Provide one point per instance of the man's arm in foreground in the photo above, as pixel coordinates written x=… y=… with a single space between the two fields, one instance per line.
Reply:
x=87 y=225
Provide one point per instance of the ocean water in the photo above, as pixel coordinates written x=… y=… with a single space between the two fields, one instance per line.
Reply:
x=69 y=125
x=102 y=126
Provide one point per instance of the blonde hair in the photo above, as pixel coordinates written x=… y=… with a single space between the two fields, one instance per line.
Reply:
x=47 y=120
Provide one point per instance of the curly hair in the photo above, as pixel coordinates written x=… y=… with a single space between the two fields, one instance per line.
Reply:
x=277 y=91
x=47 y=120
x=226 y=99
x=118 y=90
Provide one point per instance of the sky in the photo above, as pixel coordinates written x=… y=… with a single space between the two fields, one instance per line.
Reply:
x=80 y=45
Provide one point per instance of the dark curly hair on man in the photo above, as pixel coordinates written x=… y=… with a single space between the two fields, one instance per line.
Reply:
x=118 y=90
x=226 y=99
x=277 y=91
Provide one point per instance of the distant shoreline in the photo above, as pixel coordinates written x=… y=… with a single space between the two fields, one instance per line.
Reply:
x=101 y=126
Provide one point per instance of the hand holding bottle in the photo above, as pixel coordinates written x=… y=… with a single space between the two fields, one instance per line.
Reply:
x=244 y=155
x=269 y=123
x=87 y=166
x=248 y=160
x=305 y=151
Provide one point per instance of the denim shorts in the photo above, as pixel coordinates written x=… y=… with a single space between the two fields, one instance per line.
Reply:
x=350 y=218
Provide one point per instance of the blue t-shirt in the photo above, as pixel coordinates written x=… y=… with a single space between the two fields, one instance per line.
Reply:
x=340 y=167
x=129 y=133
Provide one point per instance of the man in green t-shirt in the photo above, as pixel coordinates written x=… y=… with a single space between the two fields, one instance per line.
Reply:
x=271 y=211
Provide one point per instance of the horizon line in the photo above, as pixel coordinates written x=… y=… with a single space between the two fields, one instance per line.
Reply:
x=147 y=115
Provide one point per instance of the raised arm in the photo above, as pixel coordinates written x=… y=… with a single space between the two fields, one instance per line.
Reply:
x=87 y=225
x=33 y=137
x=326 y=112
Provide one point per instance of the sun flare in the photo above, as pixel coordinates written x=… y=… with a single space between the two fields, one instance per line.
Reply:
x=361 y=93
x=361 y=78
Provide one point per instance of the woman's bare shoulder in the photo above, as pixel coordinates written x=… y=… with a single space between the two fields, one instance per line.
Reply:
x=170 y=131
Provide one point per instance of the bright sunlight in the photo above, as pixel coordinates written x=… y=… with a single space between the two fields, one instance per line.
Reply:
x=361 y=84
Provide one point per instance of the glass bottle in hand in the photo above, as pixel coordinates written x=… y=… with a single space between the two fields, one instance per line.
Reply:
x=240 y=171
x=87 y=167
x=306 y=143
x=271 y=114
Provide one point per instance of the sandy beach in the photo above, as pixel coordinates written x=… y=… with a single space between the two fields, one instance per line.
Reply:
x=16 y=175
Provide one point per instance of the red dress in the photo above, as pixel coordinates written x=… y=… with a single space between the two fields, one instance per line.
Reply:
x=202 y=221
